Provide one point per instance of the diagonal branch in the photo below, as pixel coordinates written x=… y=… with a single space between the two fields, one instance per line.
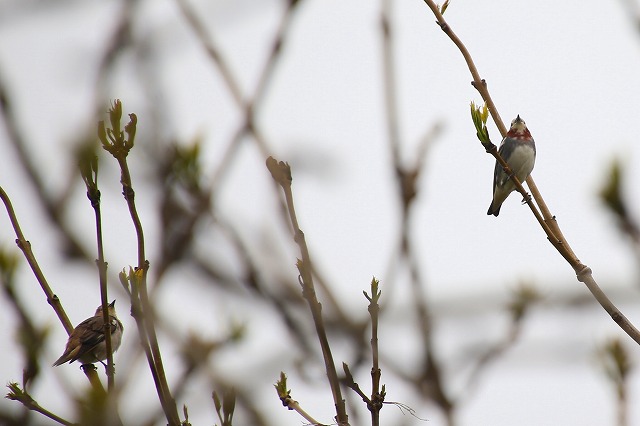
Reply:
x=549 y=224
x=52 y=299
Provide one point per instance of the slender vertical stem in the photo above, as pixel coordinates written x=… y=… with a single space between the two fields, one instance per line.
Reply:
x=377 y=396
x=281 y=173
x=166 y=399
x=102 y=273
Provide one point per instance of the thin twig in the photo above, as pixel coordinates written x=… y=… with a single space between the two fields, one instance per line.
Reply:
x=17 y=394
x=52 y=299
x=377 y=394
x=281 y=173
x=89 y=173
x=294 y=405
x=376 y=401
x=115 y=142
x=351 y=383
x=284 y=393
x=147 y=310
x=25 y=246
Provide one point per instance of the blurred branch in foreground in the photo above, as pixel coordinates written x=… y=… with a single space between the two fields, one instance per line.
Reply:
x=612 y=195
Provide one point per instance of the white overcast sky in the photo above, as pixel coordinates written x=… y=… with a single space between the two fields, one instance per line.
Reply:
x=569 y=68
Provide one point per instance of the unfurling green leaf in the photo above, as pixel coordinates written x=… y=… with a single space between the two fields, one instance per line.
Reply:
x=444 y=7
x=281 y=386
x=479 y=115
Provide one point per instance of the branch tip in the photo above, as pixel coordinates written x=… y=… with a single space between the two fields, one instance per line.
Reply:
x=280 y=171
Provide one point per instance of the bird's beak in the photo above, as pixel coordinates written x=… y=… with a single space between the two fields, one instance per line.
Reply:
x=518 y=118
x=112 y=304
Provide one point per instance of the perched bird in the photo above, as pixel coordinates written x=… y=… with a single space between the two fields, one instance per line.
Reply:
x=87 y=341
x=519 y=151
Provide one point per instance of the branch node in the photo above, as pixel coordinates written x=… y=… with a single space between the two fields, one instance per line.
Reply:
x=483 y=83
x=581 y=274
x=490 y=148
x=617 y=317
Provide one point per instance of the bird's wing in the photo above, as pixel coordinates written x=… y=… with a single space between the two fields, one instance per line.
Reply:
x=505 y=151
x=91 y=334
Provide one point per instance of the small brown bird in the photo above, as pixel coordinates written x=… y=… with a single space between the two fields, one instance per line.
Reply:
x=87 y=342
